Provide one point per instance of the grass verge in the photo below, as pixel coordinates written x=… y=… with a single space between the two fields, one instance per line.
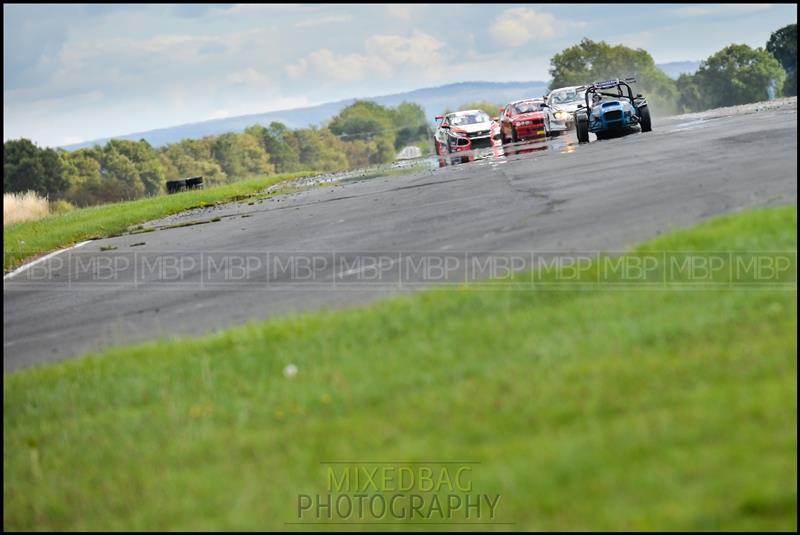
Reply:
x=601 y=409
x=31 y=238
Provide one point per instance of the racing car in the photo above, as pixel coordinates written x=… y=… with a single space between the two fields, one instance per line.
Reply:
x=610 y=108
x=562 y=103
x=460 y=134
x=524 y=120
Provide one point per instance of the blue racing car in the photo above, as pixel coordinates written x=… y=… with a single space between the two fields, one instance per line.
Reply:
x=611 y=109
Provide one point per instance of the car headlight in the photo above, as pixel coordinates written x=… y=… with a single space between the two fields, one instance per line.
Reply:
x=524 y=123
x=562 y=115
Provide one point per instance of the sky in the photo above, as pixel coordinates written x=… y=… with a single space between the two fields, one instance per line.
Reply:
x=73 y=73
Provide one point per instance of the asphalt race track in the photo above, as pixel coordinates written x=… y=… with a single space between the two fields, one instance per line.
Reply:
x=604 y=196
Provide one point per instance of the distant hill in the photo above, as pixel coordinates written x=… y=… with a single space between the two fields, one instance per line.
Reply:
x=433 y=99
x=676 y=68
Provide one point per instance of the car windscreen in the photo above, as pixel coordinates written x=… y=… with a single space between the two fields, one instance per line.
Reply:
x=565 y=96
x=527 y=107
x=469 y=118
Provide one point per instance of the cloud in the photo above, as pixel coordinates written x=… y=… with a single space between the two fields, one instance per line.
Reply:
x=234 y=11
x=322 y=21
x=126 y=66
x=348 y=67
x=399 y=11
x=250 y=77
x=517 y=26
x=641 y=39
x=29 y=44
x=730 y=9
x=382 y=55
x=297 y=70
x=418 y=49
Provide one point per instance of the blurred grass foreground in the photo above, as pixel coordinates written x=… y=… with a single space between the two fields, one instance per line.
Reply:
x=618 y=409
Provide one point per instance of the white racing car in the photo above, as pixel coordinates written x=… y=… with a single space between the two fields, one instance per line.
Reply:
x=461 y=136
x=562 y=104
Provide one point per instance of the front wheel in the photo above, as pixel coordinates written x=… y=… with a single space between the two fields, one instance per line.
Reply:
x=644 y=119
x=503 y=139
x=437 y=148
x=582 y=128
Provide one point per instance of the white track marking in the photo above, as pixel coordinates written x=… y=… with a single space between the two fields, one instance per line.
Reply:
x=29 y=265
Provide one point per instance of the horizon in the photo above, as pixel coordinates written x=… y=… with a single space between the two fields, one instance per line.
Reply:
x=73 y=74
x=233 y=117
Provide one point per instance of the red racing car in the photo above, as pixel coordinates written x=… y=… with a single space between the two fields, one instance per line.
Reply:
x=523 y=120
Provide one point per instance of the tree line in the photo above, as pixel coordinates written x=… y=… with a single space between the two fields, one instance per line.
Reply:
x=362 y=134
x=737 y=74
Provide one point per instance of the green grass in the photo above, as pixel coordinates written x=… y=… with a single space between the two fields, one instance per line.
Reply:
x=587 y=409
x=31 y=238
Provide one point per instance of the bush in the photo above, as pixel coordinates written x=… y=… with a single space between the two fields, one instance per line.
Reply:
x=61 y=206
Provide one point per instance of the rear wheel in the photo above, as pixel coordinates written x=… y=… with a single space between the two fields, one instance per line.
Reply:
x=582 y=128
x=644 y=119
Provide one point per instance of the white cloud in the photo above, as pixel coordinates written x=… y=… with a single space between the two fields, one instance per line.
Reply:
x=258 y=9
x=297 y=70
x=322 y=21
x=249 y=77
x=517 y=26
x=382 y=55
x=418 y=49
x=702 y=11
x=399 y=11
x=348 y=67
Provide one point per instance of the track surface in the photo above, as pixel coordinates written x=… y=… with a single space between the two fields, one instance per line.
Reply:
x=604 y=196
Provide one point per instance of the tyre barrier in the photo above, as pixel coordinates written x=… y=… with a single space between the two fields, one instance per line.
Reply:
x=174 y=186
x=193 y=182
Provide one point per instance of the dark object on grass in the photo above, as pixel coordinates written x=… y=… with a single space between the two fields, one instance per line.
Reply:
x=174 y=186
x=194 y=182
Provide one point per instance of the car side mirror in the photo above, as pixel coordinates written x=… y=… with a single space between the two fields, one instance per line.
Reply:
x=545 y=106
x=444 y=126
x=639 y=95
x=495 y=118
x=581 y=106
